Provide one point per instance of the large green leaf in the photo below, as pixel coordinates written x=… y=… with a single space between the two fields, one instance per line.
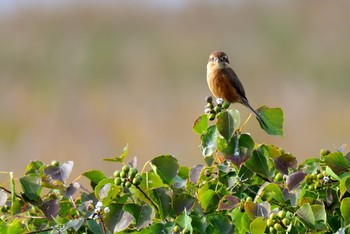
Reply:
x=162 y=200
x=273 y=191
x=209 y=139
x=200 y=125
x=94 y=176
x=183 y=201
x=227 y=122
x=337 y=162
x=142 y=214
x=184 y=221
x=258 y=225
x=258 y=163
x=166 y=167
x=31 y=186
x=273 y=120
x=306 y=216
x=345 y=209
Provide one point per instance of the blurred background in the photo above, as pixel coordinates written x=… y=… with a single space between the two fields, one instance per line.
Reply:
x=78 y=81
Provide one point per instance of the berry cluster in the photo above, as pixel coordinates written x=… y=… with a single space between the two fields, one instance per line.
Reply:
x=211 y=111
x=98 y=209
x=316 y=180
x=127 y=177
x=278 y=223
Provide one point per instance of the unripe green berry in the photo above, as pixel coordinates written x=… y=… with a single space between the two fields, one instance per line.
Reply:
x=128 y=184
x=314 y=176
x=209 y=105
x=324 y=152
x=320 y=176
x=55 y=163
x=286 y=221
x=281 y=214
x=217 y=109
x=122 y=174
x=136 y=181
x=132 y=173
x=273 y=216
x=278 y=226
x=270 y=222
x=272 y=229
x=249 y=199
x=176 y=229
x=126 y=168
x=311 y=187
x=139 y=177
x=116 y=174
x=185 y=231
x=118 y=181
x=279 y=176
x=212 y=116
x=226 y=105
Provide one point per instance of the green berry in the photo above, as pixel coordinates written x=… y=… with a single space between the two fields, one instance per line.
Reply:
x=126 y=168
x=209 y=99
x=324 y=152
x=314 y=176
x=123 y=174
x=249 y=199
x=128 y=184
x=286 y=221
x=139 y=177
x=217 y=109
x=116 y=174
x=185 y=231
x=272 y=229
x=209 y=105
x=226 y=105
x=132 y=173
x=136 y=181
x=176 y=229
x=320 y=176
x=270 y=222
x=311 y=187
x=279 y=176
x=212 y=116
x=278 y=226
x=281 y=214
x=118 y=181
x=273 y=216
x=55 y=163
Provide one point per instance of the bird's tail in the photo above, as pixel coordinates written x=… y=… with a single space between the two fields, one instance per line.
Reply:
x=261 y=121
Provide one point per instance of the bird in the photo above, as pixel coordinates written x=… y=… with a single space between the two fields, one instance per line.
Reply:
x=224 y=84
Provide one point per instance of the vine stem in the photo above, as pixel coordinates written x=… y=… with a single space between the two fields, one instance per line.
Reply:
x=148 y=198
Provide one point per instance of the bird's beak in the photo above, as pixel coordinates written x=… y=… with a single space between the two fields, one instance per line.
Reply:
x=216 y=60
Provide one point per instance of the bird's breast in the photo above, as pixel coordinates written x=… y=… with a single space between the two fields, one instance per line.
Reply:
x=220 y=85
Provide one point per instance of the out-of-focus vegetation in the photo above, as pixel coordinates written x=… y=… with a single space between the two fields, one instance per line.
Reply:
x=79 y=81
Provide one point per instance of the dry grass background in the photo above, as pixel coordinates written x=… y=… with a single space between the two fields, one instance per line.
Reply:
x=79 y=81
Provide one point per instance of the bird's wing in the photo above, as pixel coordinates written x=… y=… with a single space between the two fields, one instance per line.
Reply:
x=236 y=83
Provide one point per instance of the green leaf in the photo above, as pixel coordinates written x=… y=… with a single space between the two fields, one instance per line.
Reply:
x=227 y=122
x=119 y=158
x=184 y=221
x=31 y=186
x=274 y=192
x=34 y=167
x=209 y=139
x=142 y=214
x=228 y=202
x=337 y=162
x=106 y=191
x=320 y=216
x=258 y=225
x=116 y=219
x=258 y=163
x=208 y=200
x=273 y=119
x=183 y=201
x=15 y=227
x=94 y=176
x=13 y=187
x=254 y=210
x=166 y=167
x=163 y=201
x=200 y=125
x=345 y=209
x=344 y=185
x=306 y=216
x=219 y=223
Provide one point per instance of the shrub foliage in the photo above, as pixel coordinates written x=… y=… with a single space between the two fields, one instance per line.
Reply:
x=241 y=187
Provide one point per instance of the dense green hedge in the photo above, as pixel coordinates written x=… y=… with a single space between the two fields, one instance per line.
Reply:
x=242 y=187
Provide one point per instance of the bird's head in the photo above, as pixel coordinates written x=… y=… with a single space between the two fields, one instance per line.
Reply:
x=218 y=58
